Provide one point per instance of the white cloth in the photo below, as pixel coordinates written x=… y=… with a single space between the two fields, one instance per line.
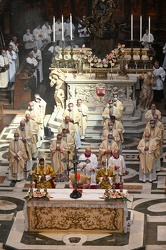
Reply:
x=93 y=164
x=159 y=77
x=38 y=36
x=38 y=57
x=12 y=65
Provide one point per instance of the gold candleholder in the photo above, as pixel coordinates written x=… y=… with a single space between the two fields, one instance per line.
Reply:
x=121 y=183
x=113 y=186
x=31 y=184
x=45 y=183
x=38 y=185
x=106 y=189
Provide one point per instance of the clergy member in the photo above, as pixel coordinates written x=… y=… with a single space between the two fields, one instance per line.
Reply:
x=90 y=168
x=16 y=157
x=84 y=112
x=58 y=149
x=146 y=148
x=44 y=174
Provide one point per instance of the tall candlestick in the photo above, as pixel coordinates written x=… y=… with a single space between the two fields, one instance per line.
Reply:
x=131 y=26
x=140 y=28
x=53 y=28
x=62 y=29
x=37 y=166
x=149 y=29
x=120 y=166
x=106 y=167
x=71 y=27
x=44 y=167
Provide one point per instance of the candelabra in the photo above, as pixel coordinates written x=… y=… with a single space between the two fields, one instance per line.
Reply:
x=107 y=182
x=45 y=184
x=131 y=62
x=113 y=185
x=62 y=63
x=71 y=61
x=31 y=183
x=121 y=183
x=140 y=63
x=38 y=185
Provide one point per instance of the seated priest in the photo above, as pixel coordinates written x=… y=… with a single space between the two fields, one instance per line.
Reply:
x=44 y=174
x=104 y=177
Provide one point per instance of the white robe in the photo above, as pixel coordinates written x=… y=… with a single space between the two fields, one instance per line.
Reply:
x=34 y=62
x=16 y=50
x=12 y=65
x=120 y=162
x=46 y=31
x=4 y=76
x=93 y=164
x=38 y=57
x=37 y=33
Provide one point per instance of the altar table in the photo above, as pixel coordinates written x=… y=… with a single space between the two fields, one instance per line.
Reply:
x=86 y=214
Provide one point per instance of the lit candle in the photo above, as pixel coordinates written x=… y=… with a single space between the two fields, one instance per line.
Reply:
x=131 y=26
x=106 y=167
x=140 y=28
x=53 y=29
x=62 y=29
x=37 y=166
x=149 y=29
x=71 y=30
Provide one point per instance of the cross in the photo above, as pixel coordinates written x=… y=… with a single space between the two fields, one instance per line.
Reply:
x=75 y=194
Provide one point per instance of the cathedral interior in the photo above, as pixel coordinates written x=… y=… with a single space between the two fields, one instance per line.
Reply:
x=146 y=218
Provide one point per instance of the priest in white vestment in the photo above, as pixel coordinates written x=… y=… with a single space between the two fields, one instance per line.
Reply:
x=12 y=63
x=90 y=168
x=46 y=32
x=38 y=37
x=4 y=66
x=84 y=113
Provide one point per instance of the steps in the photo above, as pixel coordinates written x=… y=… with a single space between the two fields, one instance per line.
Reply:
x=6 y=97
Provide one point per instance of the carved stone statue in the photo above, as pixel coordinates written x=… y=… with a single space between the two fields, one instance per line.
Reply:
x=146 y=94
x=57 y=78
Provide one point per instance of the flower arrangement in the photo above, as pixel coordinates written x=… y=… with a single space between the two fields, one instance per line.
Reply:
x=115 y=195
x=35 y=194
x=109 y=61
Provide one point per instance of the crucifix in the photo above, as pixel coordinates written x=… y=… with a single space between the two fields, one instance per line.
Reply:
x=75 y=194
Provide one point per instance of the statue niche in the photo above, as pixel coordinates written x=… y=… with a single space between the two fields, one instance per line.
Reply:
x=103 y=29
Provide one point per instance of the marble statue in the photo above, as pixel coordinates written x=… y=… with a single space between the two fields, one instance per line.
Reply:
x=57 y=78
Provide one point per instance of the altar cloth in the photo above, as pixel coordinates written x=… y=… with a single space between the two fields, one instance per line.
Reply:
x=88 y=213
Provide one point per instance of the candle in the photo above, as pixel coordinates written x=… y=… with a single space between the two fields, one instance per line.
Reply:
x=62 y=29
x=53 y=29
x=37 y=166
x=106 y=167
x=44 y=167
x=131 y=26
x=71 y=30
x=140 y=28
x=120 y=166
x=149 y=29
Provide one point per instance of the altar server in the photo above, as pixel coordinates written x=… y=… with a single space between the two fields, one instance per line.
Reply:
x=14 y=45
x=147 y=39
x=16 y=157
x=12 y=63
x=4 y=67
x=90 y=168
x=38 y=56
x=38 y=37
x=117 y=163
x=46 y=32
x=44 y=174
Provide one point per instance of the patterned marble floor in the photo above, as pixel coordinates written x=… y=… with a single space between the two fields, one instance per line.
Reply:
x=146 y=217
